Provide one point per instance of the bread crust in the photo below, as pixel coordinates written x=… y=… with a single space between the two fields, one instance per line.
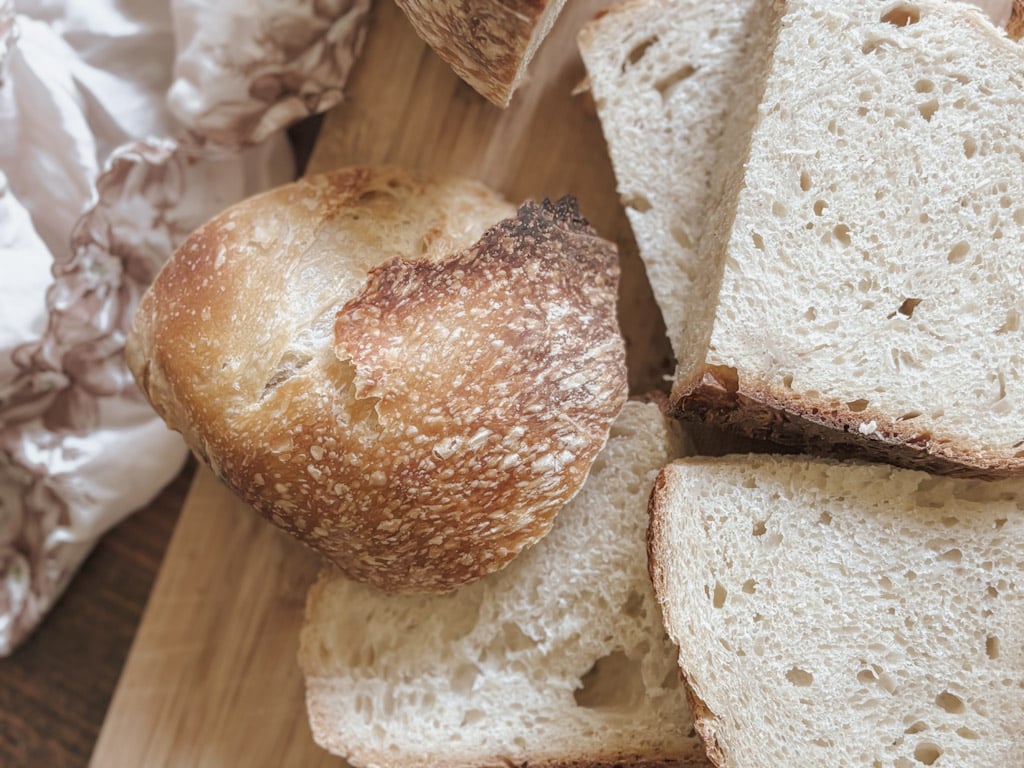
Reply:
x=446 y=412
x=357 y=757
x=759 y=409
x=1015 y=26
x=656 y=535
x=487 y=42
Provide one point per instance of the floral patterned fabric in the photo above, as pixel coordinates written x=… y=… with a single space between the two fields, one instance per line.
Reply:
x=123 y=128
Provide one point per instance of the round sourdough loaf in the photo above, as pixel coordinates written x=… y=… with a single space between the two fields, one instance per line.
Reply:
x=405 y=373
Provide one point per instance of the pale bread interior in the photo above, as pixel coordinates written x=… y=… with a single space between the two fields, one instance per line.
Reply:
x=845 y=614
x=560 y=655
x=672 y=85
x=873 y=245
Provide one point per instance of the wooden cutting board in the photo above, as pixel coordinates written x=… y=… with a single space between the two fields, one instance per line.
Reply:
x=212 y=678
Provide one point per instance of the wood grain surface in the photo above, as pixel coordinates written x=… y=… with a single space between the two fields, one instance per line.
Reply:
x=212 y=678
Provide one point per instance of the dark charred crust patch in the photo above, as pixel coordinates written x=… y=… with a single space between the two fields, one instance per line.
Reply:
x=508 y=361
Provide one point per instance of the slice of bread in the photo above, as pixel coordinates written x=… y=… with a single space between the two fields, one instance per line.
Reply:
x=844 y=615
x=489 y=43
x=870 y=254
x=559 y=659
x=665 y=76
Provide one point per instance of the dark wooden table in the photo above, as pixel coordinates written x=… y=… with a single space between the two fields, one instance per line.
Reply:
x=55 y=689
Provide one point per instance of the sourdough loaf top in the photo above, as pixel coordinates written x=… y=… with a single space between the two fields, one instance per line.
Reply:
x=400 y=371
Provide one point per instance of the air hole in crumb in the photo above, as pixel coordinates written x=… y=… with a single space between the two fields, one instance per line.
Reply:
x=759 y=528
x=720 y=594
x=872 y=44
x=787 y=380
x=908 y=306
x=750 y=482
x=966 y=733
x=638 y=203
x=472 y=716
x=1018 y=217
x=928 y=109
x=800 y=677
x=918 y=727
x=671 y=680
x=463 y=677
x=664 y=85
x=866 y=676
x=970 y=147
x=992 y=647
x=634 y=605
x=613 y=682
x=758 y=241
x=927 y=753
x=512 y=638
x=825 y=518
x=902 y=15
x=924 y=86
x=811 y=313
x=805 y=181
x=950 y=702
x=749 y=586
x=857 y=405
x=909 y=416
x=842 y=233
x=1012 y=322
x=959 y=252
x=638 y=52
x=683 y=238
x=952 y=556
x=778 y=209
x=819 y=207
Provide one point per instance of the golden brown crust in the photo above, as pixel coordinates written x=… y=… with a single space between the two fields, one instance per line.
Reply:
x=1015 y=26
x=703 y=723
x=419 y=422
x=757 y=409
x=657 y=536
x=487 y=42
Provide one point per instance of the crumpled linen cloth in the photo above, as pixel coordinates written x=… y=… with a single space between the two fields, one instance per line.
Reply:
x=123 y=127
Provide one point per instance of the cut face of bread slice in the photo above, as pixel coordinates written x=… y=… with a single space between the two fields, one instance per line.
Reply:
x=871 y=251
x=489 y=43
x=559 y=659
x=401 y=371
x=855 y=614
x=672 y=83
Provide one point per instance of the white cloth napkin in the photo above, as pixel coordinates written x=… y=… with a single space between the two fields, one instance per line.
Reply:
x=121 y=130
